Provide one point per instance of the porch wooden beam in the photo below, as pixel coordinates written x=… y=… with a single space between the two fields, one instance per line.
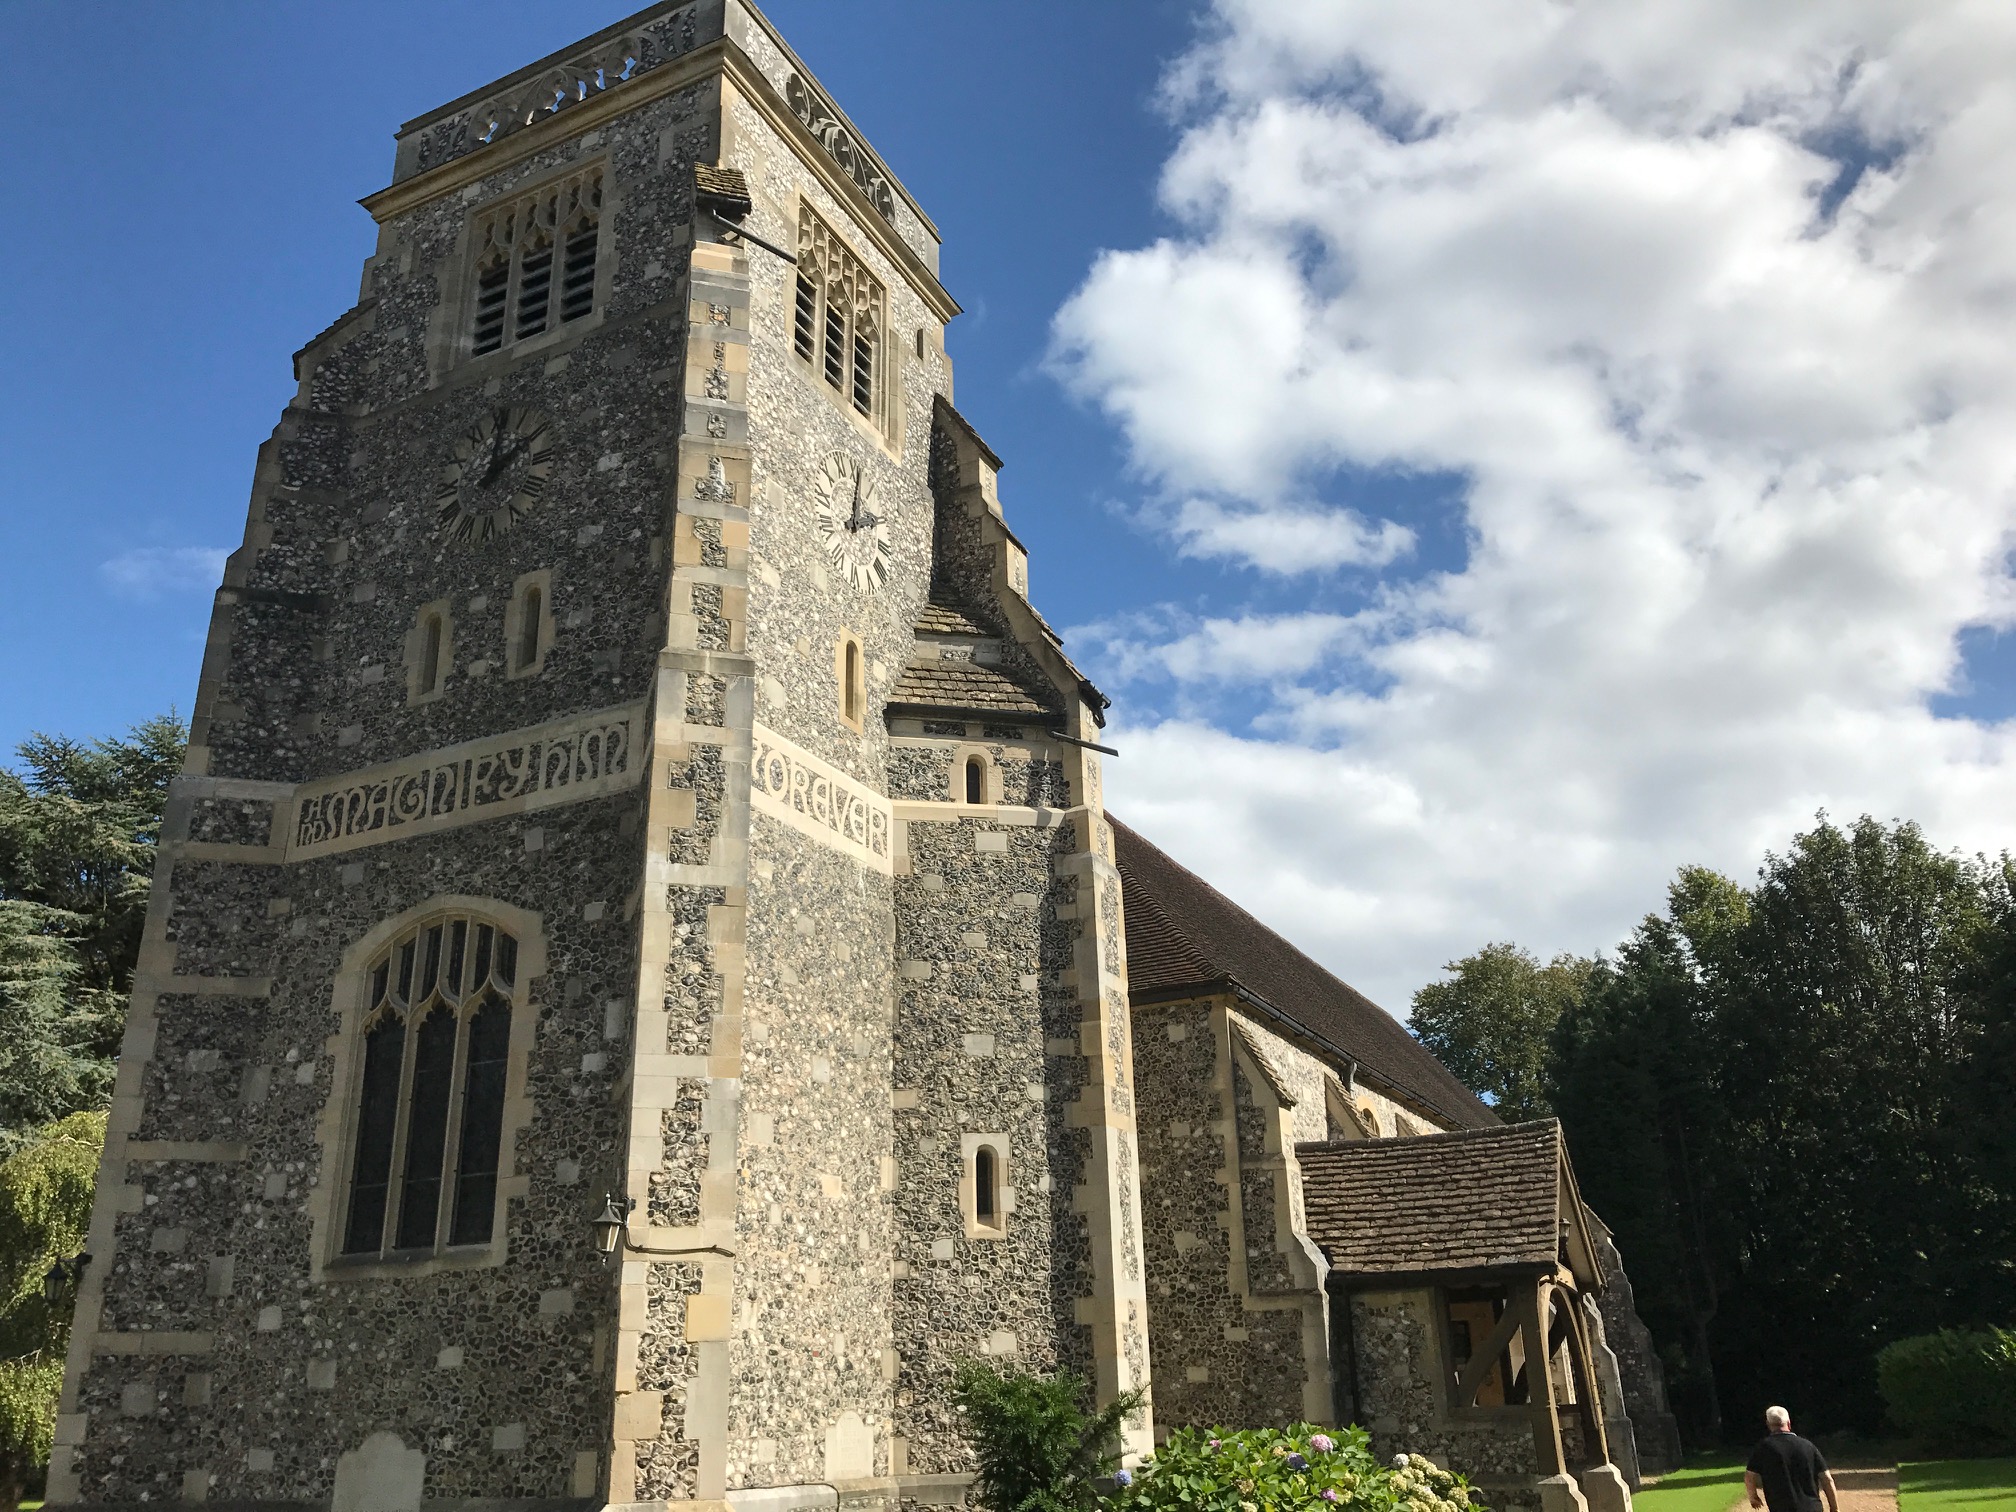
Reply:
x=1531 y=1301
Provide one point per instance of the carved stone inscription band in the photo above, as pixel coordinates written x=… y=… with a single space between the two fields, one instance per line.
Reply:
x=567 y=761
x=799 y=789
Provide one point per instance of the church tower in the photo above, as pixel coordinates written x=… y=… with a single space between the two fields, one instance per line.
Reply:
x=627 y=774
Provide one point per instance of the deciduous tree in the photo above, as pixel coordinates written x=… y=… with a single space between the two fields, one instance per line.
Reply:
x=1492 y=1023
x=45 y=1210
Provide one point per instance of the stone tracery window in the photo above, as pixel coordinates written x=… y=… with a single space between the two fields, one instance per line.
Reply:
x=839 y=317
x=536 y=262
x=428 y=1137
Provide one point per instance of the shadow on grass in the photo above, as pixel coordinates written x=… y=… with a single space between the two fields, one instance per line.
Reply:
x=1929 y=1485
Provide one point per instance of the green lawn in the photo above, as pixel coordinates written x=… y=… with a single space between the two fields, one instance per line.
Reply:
x=1708 y=1484
x=1935 y=1485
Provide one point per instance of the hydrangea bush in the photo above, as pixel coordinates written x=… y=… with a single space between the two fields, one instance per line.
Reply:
x=1298 y=1469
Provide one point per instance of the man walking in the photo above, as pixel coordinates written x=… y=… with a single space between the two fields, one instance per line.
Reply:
x=1786 y=1473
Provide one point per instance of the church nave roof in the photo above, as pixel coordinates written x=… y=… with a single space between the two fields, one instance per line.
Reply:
x=1185 y=937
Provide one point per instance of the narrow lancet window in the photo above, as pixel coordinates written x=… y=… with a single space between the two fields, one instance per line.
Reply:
x=493 y=283
x=535 y=287
x=577 y=285
x=805 y=320
x=864 y=374
x=986 y=1193
x=528 y=627
x=430 y=654
x=976 y=780
x=853 y=689
x=528 y=624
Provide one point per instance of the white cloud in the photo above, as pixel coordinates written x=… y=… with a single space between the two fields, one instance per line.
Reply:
x=1739 y=450
x=1286 y=539
x=152 y=572
x=1262 y=648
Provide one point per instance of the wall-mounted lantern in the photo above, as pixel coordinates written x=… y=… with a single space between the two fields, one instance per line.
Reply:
x=610 y=1225
x=61 y=1276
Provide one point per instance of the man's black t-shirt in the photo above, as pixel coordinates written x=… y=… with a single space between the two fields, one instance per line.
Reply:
x=1790 y=1468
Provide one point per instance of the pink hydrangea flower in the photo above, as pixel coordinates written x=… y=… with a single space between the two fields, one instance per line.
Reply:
x=1322 y=1443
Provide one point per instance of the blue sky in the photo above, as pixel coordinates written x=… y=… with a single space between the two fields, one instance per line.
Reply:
x=1493 y=452
x=192 y=191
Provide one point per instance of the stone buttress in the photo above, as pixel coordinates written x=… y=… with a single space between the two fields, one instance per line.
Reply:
x=1013 y=1058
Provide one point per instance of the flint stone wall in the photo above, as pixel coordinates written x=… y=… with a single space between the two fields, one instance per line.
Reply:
x=986 y=1043
x=1398 y=1366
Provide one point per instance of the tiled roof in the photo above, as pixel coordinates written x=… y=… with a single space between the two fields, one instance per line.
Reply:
x=722 y=189
x=943 y=619
x=1475 y=1199
x=964 y=685
x=1184 y=933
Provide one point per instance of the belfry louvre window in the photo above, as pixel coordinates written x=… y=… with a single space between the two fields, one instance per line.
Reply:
x=430 y=1106
x=839 y=315
x=535 y=262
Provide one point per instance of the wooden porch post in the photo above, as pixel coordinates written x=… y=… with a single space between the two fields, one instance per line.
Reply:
x=1585 y=1383
x=1532 y=1304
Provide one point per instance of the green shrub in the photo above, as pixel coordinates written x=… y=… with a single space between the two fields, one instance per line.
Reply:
x=1952 y=1389
x=45 y=1209
x=1298 y=1469
x=1037 y=1448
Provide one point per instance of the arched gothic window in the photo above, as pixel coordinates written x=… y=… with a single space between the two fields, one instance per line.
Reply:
x=430 y=1105
x=976 y=780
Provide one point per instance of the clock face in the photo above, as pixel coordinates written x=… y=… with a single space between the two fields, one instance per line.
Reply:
x=495 y=474
x=857 y=540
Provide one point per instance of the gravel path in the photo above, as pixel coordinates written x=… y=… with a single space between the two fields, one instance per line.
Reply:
x=1867 y=1490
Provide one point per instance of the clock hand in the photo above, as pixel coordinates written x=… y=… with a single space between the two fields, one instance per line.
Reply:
x=499 y=462
x=854 y=517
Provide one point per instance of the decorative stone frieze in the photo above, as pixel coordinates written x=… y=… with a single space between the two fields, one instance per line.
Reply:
x=799 y=789
x=548 y=88
x=568 y=761
x=810 y=107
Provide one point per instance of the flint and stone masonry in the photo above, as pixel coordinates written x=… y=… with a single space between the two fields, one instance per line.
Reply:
x=628 y=773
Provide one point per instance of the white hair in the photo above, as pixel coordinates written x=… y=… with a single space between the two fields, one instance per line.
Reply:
x=1777 y=1417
